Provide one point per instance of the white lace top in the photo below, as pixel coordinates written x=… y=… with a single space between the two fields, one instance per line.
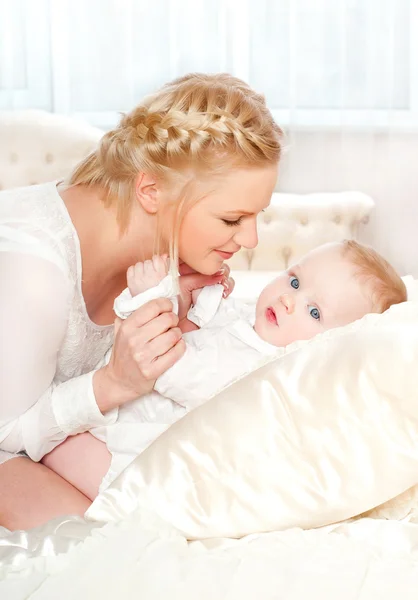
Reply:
x=48 y=344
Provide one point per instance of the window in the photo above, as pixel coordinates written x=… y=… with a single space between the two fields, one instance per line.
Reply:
x=319 y=62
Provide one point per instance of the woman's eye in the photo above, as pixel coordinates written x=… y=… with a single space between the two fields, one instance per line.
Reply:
x=314 y=312
x=294 y=282
x=232 y=223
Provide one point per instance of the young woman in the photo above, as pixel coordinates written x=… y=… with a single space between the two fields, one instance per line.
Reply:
x=186 y=172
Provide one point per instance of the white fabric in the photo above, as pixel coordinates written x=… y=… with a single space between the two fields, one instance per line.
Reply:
x=207 y=305
x=317 y=436
x=318 y=63
x=225 y=348
x=325 y=432
x=49 y=346
x=248 y=286
x=222 y=350
x=125 y=304
x=200 y=313
x=142 y=557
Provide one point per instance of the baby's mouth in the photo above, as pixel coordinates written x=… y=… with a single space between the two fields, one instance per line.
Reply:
x=271 y=316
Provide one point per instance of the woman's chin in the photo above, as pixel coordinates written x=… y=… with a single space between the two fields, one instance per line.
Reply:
x=212 y=270
x=207 y=266
x=214 y=267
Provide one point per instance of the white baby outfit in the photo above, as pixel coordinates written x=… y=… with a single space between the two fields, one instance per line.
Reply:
x=222 y=350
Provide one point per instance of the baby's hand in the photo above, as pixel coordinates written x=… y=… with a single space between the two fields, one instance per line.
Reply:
x=146 y=275
x=195 y=295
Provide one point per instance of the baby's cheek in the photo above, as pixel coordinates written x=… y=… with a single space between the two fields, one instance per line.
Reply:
x=263 y=330
x=310 y=329
x=269 y=334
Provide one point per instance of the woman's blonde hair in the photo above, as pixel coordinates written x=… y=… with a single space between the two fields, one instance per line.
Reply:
x=386 y=285
x=197 y=125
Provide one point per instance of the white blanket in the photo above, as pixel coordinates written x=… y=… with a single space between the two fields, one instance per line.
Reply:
x=141 y=557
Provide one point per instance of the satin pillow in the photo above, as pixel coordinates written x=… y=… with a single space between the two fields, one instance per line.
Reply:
x=324 y=433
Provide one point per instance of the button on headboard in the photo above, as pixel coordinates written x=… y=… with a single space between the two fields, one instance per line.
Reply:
x=294 y=224
x=37 y=146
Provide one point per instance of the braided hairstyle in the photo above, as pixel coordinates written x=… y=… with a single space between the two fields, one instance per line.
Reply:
x=197 y=126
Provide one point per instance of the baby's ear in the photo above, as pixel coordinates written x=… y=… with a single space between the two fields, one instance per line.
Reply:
x=146 y=193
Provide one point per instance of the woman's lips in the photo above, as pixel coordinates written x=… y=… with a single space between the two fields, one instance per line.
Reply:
x=225 y=255
x=271 y=316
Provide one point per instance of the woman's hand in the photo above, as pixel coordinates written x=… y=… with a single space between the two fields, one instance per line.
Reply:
x=191 y=281
x=146 y=344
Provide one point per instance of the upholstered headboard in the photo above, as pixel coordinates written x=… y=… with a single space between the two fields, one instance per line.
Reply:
x=36 y=146
x=294 y=224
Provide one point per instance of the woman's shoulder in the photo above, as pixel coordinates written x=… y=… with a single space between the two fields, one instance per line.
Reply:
x=31 y=204
x=34 y=220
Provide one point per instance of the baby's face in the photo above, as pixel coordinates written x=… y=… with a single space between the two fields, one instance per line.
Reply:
x=318 y=293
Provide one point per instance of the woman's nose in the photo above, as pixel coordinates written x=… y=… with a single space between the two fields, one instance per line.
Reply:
x=288 y=302
x=247 y=235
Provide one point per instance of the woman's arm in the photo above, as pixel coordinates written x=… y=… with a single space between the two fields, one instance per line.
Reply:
x=37 y=414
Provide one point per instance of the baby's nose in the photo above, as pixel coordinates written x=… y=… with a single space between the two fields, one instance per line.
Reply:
x=288 y=302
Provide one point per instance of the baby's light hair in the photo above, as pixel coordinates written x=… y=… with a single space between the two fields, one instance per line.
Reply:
x=386 y=285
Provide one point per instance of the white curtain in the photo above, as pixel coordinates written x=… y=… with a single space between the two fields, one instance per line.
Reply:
x=319 y=62
x=341 y=77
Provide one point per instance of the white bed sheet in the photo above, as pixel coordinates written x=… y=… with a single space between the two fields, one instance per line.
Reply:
x=140 y=557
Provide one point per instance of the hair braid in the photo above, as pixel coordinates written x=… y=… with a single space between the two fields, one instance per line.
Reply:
x=209 y=123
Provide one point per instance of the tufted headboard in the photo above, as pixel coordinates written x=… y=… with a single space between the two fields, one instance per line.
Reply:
x=37 y=146
x=293 y=224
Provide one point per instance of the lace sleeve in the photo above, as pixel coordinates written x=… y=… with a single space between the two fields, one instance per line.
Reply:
x=36 y=414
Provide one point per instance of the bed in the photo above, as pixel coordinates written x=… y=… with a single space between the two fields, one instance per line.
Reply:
x=167 y=529
x=195 y=516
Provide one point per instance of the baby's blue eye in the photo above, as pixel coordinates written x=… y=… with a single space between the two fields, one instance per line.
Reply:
x=314 y=312
x=294 y=282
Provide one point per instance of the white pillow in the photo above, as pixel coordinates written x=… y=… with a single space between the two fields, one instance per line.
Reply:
x=324 y=433
x=405 y=505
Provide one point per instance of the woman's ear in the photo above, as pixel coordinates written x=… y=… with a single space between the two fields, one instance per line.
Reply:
x=146 y=193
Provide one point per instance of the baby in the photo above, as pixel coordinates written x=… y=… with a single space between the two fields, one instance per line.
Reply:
x=329 y=287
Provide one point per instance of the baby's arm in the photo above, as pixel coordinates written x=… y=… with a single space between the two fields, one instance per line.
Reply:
x=193 y=378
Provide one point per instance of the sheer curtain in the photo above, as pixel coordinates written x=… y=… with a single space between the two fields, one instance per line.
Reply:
x=319 y=62
x=341 y=77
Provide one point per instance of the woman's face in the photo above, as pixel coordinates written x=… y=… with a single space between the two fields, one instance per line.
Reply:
x=225 y=220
